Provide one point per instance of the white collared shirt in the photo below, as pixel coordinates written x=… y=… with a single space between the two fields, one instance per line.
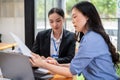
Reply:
x=55 y=44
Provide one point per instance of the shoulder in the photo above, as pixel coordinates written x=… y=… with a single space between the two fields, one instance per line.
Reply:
x=44 y=32
x=94 y=40
x=93 y=37
x=67 y=33
x=68 y=36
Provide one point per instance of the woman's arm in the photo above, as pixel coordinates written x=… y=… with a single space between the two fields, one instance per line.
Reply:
x=64 y=65
x=37 y=61
x=53 y=61
x=65 y=71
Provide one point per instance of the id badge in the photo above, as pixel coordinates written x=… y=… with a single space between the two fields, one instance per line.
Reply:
x=54 y=55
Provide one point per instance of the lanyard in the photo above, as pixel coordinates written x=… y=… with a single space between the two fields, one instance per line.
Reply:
x=55 y=46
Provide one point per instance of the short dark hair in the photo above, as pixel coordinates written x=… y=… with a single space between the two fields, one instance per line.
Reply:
x=59 y=11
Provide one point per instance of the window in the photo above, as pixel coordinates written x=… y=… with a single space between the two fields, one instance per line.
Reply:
x=106 y=9
x=41 y=14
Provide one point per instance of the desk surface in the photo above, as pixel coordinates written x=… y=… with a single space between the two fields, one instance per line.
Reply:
x=6 y=45
x=59 y=77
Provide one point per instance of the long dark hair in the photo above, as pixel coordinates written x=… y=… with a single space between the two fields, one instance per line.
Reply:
x=94 y=23
x=78 y=36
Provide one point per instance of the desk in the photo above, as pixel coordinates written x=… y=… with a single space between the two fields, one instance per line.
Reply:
x=59 y=77
x=7 y=45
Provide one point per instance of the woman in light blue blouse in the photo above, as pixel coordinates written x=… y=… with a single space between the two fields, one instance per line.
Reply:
x=96 y=57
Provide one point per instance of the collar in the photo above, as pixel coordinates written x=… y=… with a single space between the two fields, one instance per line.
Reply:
x=60 y=38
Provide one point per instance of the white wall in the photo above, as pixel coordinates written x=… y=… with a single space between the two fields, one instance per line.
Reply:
x=15 y=25
x=12 y=19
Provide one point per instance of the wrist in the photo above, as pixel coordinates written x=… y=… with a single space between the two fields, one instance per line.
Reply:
x=44 y=63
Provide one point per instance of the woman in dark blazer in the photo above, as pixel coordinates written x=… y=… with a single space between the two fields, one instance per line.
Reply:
x=55 y=40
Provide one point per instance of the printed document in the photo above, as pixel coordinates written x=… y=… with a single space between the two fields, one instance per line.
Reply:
x=24 y=49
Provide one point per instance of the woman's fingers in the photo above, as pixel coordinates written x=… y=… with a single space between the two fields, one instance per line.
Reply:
x=52 y=62
x=43 y=57
x=37 y=60
x=32 y=62
x=35 y=55
x=49 y=58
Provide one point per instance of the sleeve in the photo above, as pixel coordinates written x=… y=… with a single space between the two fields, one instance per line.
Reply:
x=36 y=45
x=67 y=48
x=70 y=53
x=86 y=53
x=80 y=62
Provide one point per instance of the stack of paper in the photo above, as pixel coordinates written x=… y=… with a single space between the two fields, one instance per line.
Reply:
x=42 y=70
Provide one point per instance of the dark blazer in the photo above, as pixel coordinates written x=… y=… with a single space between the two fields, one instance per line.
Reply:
x=67 y=47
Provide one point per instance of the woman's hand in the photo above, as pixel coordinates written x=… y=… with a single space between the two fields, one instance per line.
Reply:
x=51 y=61
x=37 y=61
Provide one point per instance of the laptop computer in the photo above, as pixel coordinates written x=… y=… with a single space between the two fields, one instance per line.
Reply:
x=15 y=66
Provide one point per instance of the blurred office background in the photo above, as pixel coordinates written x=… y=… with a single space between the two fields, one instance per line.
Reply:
x=26 y=18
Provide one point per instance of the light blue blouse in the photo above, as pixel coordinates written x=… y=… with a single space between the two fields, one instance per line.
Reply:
x=93 y=59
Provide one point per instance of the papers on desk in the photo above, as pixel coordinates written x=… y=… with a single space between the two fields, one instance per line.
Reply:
x=23 y=48
x=42 y=70
x=43 y=74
